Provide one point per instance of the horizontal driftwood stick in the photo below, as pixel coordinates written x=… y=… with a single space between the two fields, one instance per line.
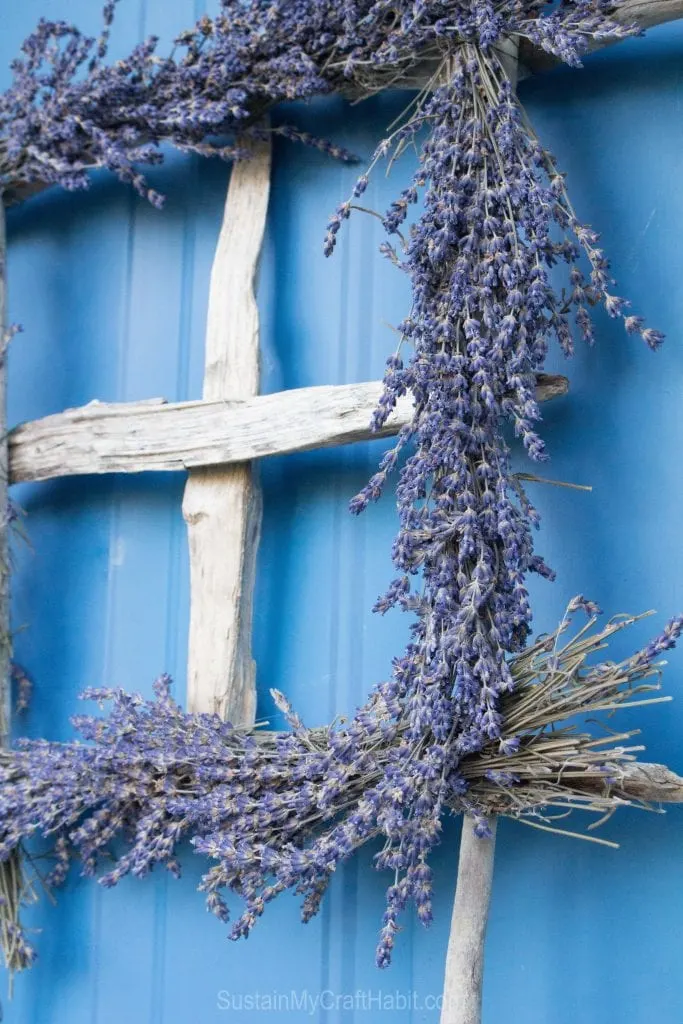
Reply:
x=640 y=781
x=155 y=435
x=648 y=13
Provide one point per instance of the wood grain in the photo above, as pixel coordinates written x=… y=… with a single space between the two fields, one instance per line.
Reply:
x=465 y=955
x=222 y=504
x=462 y=992
x=652 y=783
x=153 y=435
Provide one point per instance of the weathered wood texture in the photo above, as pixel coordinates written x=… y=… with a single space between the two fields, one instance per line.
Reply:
x=465 y=956
x=508 y=50
x=138 y=436
x=222 y=506
x=5 y=636
x=648 y=13
x=652 y=783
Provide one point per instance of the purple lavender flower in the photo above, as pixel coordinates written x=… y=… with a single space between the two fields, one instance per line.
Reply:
x=496 y=220
x=666 y=640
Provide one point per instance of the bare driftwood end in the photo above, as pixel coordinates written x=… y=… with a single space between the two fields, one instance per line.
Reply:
x=651 y=783
x=464 y=972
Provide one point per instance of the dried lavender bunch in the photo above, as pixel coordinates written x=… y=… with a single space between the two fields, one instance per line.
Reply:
x=67 y=110
x=496 y=220
x=281 y=811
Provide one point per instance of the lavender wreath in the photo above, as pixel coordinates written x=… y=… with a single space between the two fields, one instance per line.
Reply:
x=463 y=722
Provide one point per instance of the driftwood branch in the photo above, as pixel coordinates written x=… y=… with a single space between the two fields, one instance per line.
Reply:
x=639 y=782
x=465 y=956
x=222 y=504
x=139 y=436
x=462 y=992
x=648 y=13
x=651 y=783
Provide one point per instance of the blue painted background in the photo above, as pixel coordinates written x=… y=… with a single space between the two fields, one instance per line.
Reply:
x=112 y=295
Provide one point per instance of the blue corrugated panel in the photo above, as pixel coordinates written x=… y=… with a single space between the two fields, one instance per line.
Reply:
x=112 y=295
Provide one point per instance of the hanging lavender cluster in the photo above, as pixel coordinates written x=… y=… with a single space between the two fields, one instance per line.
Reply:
x=496 y=219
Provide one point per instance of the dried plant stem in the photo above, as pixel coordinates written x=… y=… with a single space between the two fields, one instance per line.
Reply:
x=16 y=890
x=465 y=957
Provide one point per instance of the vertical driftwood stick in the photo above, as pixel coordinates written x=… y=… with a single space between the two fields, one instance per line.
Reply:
x=465 y=957
x=5 y=650
x=222 y=506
